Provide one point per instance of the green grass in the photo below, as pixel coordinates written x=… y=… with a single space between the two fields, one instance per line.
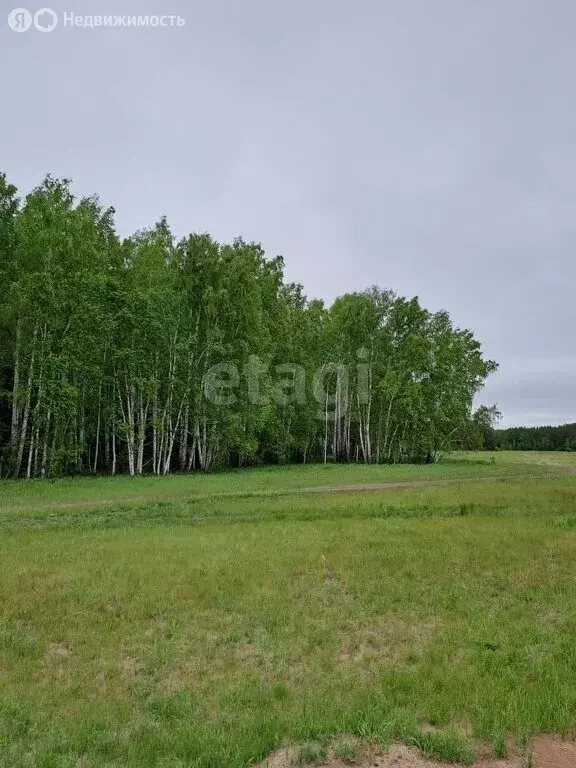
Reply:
x=310 y=754
x=494 y=497
x=209 y=631
x=444 y=745
x=122 y=489
x=344 y=748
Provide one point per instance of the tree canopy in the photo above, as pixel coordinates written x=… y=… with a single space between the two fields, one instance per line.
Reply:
x=560 y=438
x=152 y=354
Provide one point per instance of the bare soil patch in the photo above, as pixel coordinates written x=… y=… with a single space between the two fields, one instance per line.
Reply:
x=397 y=756
x=548 y=751
x=56 y=651
x=554 y=752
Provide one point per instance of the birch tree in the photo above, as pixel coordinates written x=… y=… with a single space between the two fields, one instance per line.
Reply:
x=107 y=346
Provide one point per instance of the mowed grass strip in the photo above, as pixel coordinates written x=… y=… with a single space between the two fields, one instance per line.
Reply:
x=139 y=644
x=551 y=498
x=83 y=491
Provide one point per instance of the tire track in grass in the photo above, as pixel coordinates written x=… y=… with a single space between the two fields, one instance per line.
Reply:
x=350 y=488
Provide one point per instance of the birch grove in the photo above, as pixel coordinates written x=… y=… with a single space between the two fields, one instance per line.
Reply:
x=107 y=346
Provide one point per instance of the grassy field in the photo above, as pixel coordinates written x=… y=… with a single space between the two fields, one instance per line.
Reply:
x=206 y=621
x=123 y=489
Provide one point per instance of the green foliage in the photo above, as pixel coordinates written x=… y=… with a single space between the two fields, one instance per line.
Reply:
x=562 y=438
x=345 y=749
x=311 y=753
x=446 y=746
x=481 y=433
x=109 y=347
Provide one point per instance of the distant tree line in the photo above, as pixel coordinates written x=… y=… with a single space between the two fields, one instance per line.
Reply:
x=481 y=433
x=562 y=438
x=148 y=354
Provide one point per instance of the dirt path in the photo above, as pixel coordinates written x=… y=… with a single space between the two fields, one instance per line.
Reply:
x=423 y=483
x=353 y=488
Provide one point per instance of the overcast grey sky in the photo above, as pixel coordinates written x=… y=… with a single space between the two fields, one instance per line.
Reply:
x=422 y=145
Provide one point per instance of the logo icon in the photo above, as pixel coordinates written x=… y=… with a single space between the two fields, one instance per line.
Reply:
x=45 y=20
x=20 y=20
